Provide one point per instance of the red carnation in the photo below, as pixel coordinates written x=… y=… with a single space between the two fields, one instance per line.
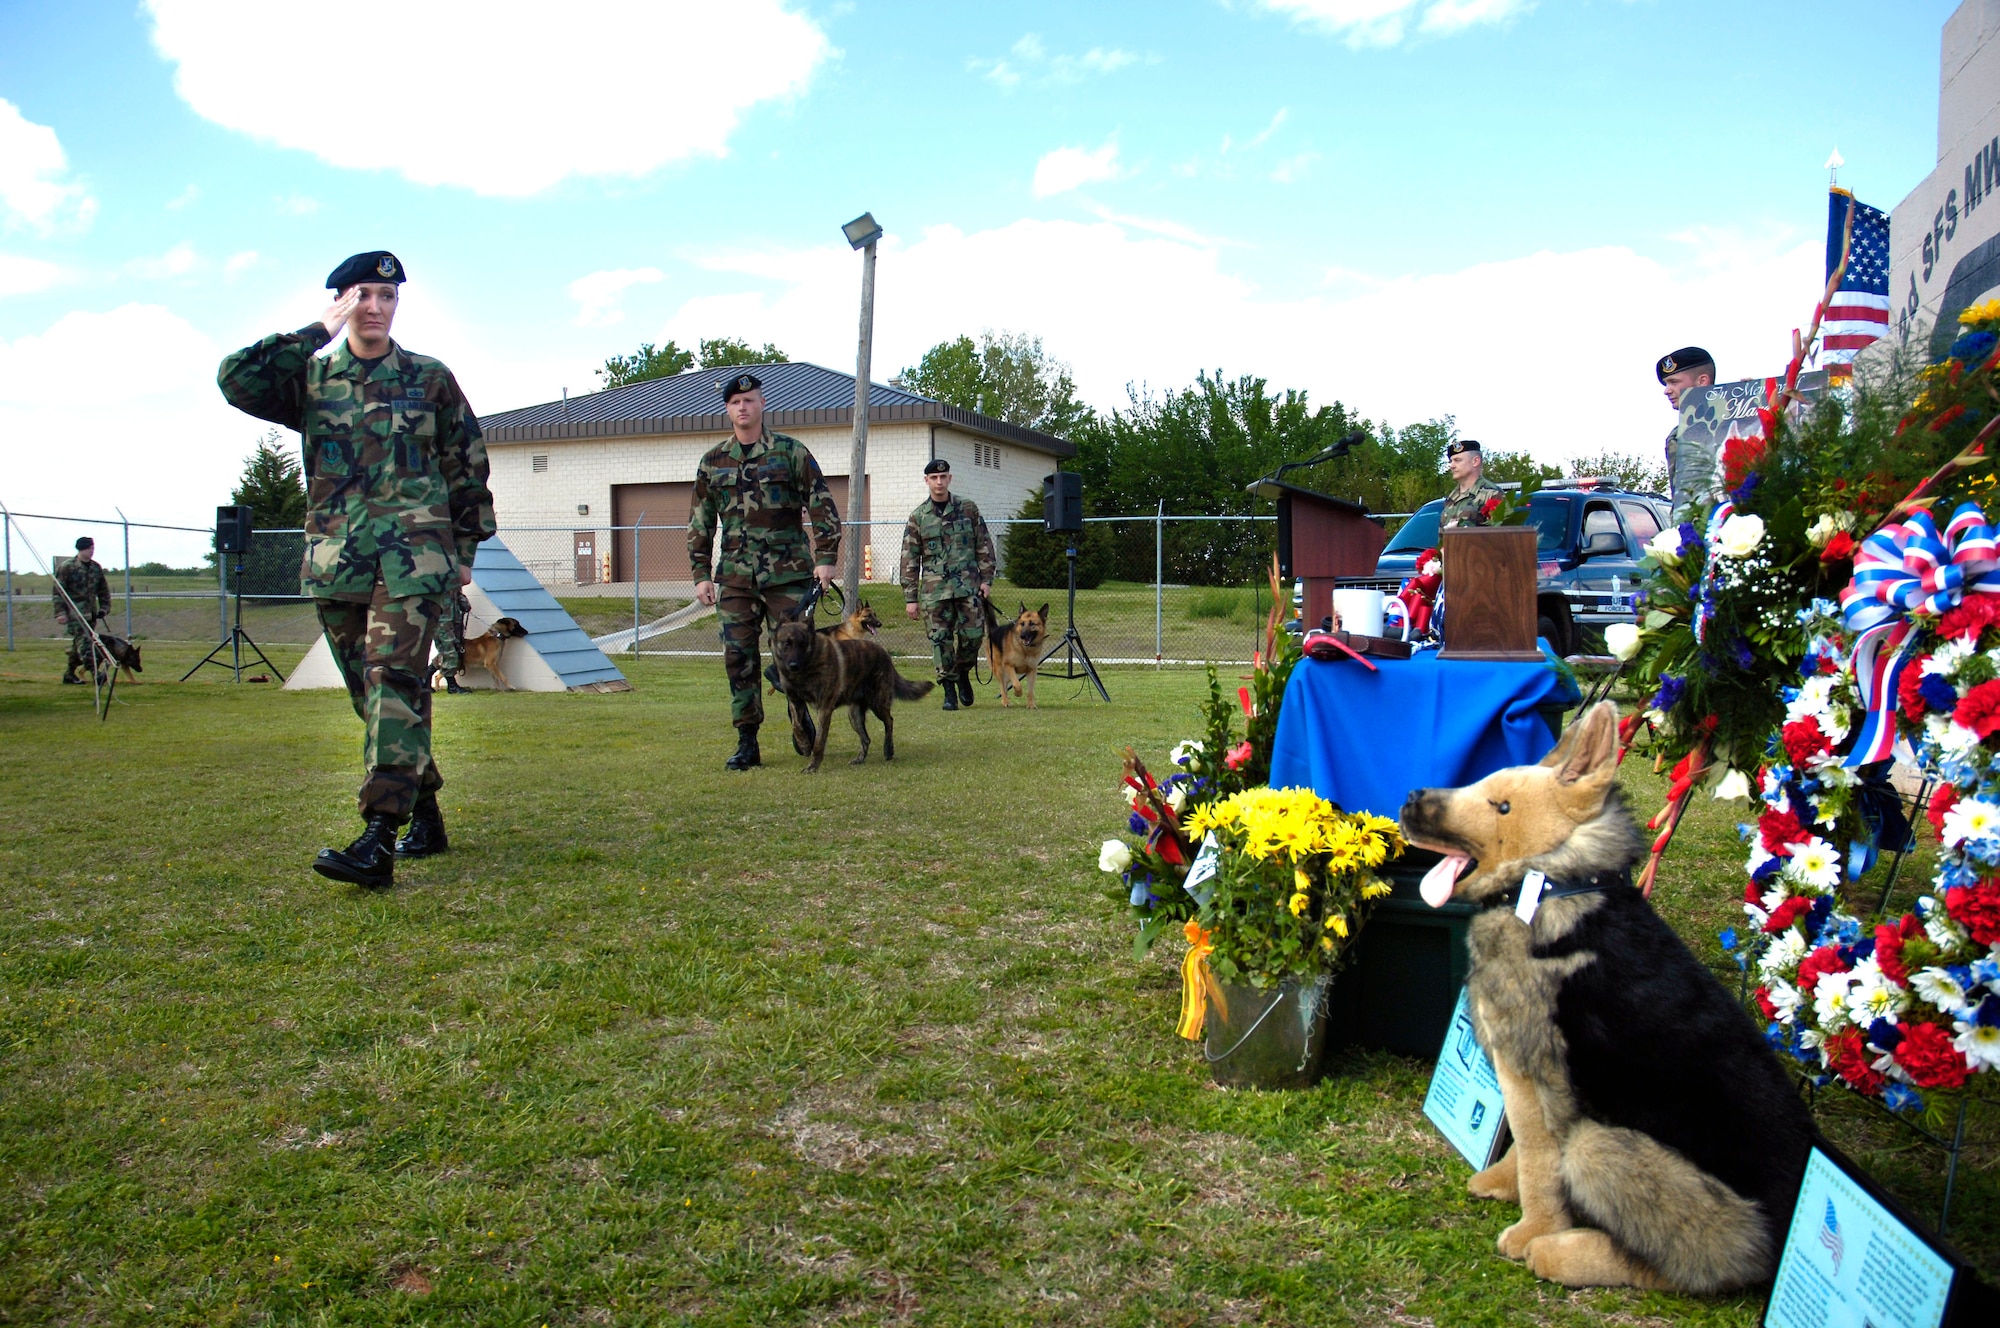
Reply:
x=1764 y=1003
x=1785 y=914
x=1910 y=690
x=1488 y=508
x=1979 y=709
x=1927 y=1054
x=1753 y=893
x=1970 y=617
x=1779 y=830
x=1889 y=940
x=1739 y=457
x=1804 y=740
x=1839 y=549
x=1942 y=801
x=1817 y=965
x=1977 y=909
x=1849 y=1059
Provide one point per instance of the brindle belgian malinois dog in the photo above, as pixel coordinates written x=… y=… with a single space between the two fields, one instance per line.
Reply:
x=824 y=672
x=1657 y=1141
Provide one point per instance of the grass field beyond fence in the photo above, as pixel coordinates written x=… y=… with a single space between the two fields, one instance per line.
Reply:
x=657 y=1044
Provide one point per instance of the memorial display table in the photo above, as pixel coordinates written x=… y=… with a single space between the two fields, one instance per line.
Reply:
x=1362 y=741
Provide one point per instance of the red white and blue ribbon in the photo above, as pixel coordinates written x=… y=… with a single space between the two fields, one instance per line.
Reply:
x=1900 y=570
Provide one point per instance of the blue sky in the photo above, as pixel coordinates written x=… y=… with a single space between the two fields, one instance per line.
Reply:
x=1419 y=207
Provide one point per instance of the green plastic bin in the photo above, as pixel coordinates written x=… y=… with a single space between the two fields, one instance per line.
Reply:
x=1397 y=989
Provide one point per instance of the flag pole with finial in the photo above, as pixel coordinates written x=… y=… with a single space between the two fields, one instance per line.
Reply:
x=1834 y=162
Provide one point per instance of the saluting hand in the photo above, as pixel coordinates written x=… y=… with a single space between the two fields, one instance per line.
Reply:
x=340 y=311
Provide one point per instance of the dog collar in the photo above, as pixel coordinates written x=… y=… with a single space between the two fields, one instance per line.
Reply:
x=1552 y=888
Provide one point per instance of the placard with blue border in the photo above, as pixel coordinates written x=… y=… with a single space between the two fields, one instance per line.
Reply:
x=1854 y=1258
x=1464 y=1099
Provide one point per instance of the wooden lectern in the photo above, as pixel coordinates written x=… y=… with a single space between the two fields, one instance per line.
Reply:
x=1489 y=593
x=1321 y=537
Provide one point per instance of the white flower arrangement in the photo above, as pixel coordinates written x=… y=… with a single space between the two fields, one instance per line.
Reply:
x=1740 y=535
x=1665 y=547
x=1622 y=640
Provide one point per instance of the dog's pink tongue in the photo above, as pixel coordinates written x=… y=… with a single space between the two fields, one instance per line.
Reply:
x=1439 y=880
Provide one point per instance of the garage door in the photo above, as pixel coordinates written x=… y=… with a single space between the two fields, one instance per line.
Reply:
x=663 y=553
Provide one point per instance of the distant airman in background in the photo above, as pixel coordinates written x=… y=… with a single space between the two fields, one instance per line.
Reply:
x=947 y=569
x=82 y=600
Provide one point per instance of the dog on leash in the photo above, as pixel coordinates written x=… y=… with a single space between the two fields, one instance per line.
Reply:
x=856 y=626
x=1658 y=1142
x=483 y=651
x=1013 y=649
x=124 y=654
x=823 y=672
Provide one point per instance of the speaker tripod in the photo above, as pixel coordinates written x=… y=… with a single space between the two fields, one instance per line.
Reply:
x=1071 y=642
x=235 y=641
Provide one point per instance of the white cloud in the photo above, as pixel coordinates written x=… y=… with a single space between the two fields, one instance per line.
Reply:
x=185 y=197
x=176 y=262
x=1387 y=22
x=597 y=294
x=239 y=263
x=25 y=276
x=1031 y=60
x=514 y=100
x=1117 y=305
x=296 y=205
x=1065 y=169
x=34 y=189
x=155 y=438
x=1293 y=168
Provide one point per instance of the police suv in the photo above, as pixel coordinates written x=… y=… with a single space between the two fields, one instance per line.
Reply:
x=1589 y=537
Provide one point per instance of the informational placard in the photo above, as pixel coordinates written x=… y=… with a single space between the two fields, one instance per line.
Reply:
x=1464 y=1098
x=1203 y=869
x=1710 y=417
x=1848 y=1260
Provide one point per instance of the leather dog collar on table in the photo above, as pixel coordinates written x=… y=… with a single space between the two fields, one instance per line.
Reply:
x=1552 y=888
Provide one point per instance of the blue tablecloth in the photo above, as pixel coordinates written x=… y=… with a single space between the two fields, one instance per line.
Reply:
x=1363 y=740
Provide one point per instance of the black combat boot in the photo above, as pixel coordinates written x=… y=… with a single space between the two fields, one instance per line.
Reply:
x=426 y=833
x=949 y=686
x=70 y=679
x=965 y=689
x=451 y=687
x=746 y=750
x=369 y=861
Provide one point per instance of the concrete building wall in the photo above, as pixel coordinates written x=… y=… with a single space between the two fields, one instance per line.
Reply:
x=1945 y=237
x=582 y=472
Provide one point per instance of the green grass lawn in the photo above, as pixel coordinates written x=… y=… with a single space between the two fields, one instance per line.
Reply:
x=659 y=1044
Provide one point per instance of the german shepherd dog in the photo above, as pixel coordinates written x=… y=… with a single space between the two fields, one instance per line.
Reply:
x=1013 y=649
x=825 y=672
x=124 y=655
x=1658 y=1142
x=483 y=651
x=857 y=625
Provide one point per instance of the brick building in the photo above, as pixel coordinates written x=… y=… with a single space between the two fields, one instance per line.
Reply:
x=584 y=465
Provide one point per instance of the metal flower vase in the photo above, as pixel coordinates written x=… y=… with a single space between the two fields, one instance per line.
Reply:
x=1266 y=1037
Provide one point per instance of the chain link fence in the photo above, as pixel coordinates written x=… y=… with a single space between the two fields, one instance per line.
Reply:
x=1159 y=589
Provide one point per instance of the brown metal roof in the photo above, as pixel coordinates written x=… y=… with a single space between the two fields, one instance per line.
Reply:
x=798 y=395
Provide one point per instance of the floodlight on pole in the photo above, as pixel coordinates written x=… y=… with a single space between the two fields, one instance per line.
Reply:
x=861 y=233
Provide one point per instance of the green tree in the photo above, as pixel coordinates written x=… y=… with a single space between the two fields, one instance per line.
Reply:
x=648 y=362
x=1005 y=375
x=272 y=486
x=1643 y=474
x=723 y=352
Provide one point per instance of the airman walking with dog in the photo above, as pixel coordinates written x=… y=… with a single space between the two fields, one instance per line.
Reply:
x=396 y=487
x=947 y=569
x=451 y=640
x=82 y=599
x=756 y=489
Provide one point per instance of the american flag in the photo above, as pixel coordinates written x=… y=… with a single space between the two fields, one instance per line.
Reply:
x=1859 y=311
x=1829 y=1228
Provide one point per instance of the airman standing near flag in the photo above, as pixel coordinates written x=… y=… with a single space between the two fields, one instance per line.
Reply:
x=82 y=597
x=397 y=507
x=947 y=569
x=757 y=488
x=1466 y=505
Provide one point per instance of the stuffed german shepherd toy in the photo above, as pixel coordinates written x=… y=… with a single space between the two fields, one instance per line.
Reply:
x=1658 y=1142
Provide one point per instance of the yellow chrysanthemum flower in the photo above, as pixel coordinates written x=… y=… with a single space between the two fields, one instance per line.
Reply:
x=1300 y=903
x=1979 y=315
x=1337 y=924
x=1375 y=890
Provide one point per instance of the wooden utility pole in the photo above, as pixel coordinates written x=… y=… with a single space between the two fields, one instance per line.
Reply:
x=862 y=233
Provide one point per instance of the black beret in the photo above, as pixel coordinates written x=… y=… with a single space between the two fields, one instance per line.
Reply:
x=937 y=466
x=1687 y=357
x=740 y=383
x=378 y=265
x=85 y=542
x=1458 y=445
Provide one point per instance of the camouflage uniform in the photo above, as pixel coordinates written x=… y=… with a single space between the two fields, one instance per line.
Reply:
x=397 y=497
x=1461 y=507
x=759 y=496
x=451 y=636
x=91 y=593
x=947 y=556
